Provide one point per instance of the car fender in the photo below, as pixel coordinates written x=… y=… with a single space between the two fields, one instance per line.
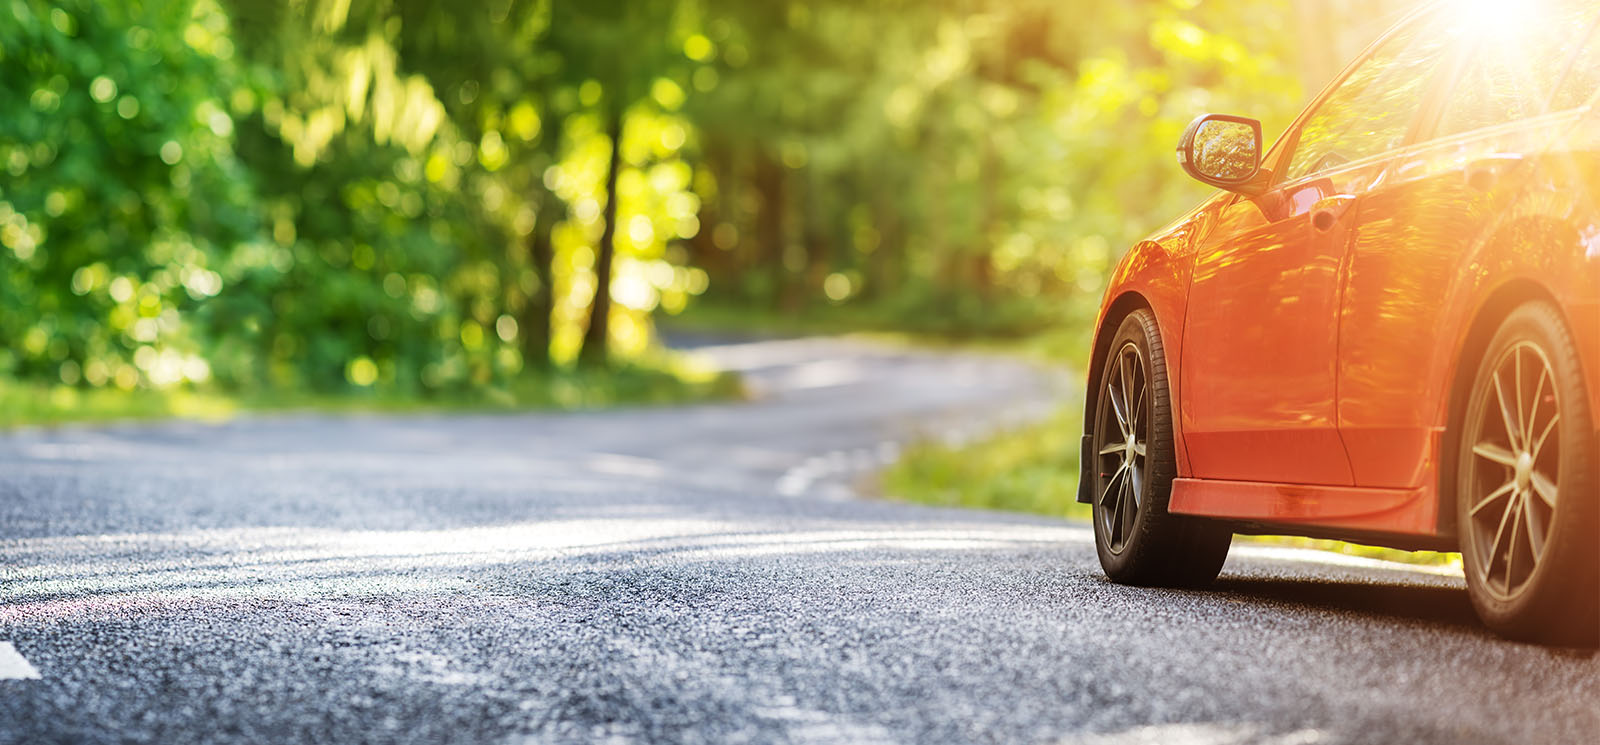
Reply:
x=1153 y=274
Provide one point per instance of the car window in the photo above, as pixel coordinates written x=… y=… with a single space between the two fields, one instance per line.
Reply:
x=1514 y=66
x=1371 y=110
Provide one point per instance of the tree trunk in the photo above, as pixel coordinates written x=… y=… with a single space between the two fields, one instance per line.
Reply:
x=979 y=263
x=887 y=268
x=819 y=257
x=538 y=313
x=769 y=224
x=595 y=337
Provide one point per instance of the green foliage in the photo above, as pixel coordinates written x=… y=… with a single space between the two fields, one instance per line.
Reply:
x=417 y=198
x=967 y=166
x=255 y=197
x=122 y=197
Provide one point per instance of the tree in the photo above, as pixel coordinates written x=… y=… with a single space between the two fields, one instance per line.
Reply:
x=624 y=47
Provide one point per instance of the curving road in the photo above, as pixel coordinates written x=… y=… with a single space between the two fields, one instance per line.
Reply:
x=702 y=574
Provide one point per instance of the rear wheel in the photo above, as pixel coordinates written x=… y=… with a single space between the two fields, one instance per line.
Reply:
x=1138 y=541
x=1526 y=485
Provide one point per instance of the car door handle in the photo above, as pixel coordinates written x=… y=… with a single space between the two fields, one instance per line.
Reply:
x=1326 y=213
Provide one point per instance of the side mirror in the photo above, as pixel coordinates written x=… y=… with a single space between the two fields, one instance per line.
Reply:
x=1223 y=151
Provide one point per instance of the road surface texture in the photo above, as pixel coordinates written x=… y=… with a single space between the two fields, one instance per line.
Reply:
x=701 y=574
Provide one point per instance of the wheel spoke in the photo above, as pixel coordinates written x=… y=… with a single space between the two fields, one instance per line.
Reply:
x=1118 y=401
x=1124 y=508
x=1111 y=484
x=1127 y=393
x=1505 y=412
x=1122 y=419
x=1545 y=488
x=1535 y=541
x=1111 y=503
x=1538 y=396
x=1492 y=452
x=1128 y=511
x=1499 y=533
x=1136 y=414
x=1115 y=447
x=1538 y=445
x=1114 y=525
x=1140 y=448
x=1507 y=488
x=1516 y=365
x=1511 y=543
x=1506 y=418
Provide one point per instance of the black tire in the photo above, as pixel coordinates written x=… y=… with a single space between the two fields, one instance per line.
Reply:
x=1138 y=541
x=1526 y=497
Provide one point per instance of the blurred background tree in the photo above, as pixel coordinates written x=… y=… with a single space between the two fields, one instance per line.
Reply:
x=424 y=196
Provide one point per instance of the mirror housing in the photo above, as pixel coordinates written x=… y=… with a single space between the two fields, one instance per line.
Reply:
x=1223 y=151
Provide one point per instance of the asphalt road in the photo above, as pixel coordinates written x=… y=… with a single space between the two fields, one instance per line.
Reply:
x=702 y=574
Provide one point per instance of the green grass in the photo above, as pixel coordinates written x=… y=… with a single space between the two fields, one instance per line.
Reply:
x=1027 y=469
x=667 y=380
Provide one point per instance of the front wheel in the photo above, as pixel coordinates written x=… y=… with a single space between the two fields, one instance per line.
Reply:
x=1138 y=541
x=1526 y=485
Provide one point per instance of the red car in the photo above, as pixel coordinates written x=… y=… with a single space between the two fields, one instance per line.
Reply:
x=1385 y=329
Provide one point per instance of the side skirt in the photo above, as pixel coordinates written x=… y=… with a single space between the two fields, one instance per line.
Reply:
x=1323 y=511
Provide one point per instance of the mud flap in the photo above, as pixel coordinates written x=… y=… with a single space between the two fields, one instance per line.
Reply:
x=1086 y=461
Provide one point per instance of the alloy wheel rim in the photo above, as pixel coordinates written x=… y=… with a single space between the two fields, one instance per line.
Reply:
x=1512 y=477
x=1123 y=446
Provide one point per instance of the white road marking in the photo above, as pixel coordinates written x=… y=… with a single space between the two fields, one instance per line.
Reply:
x=13 y=666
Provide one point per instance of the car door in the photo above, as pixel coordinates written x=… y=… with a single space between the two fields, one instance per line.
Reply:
x=1258 y=377
x=1396 y=339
